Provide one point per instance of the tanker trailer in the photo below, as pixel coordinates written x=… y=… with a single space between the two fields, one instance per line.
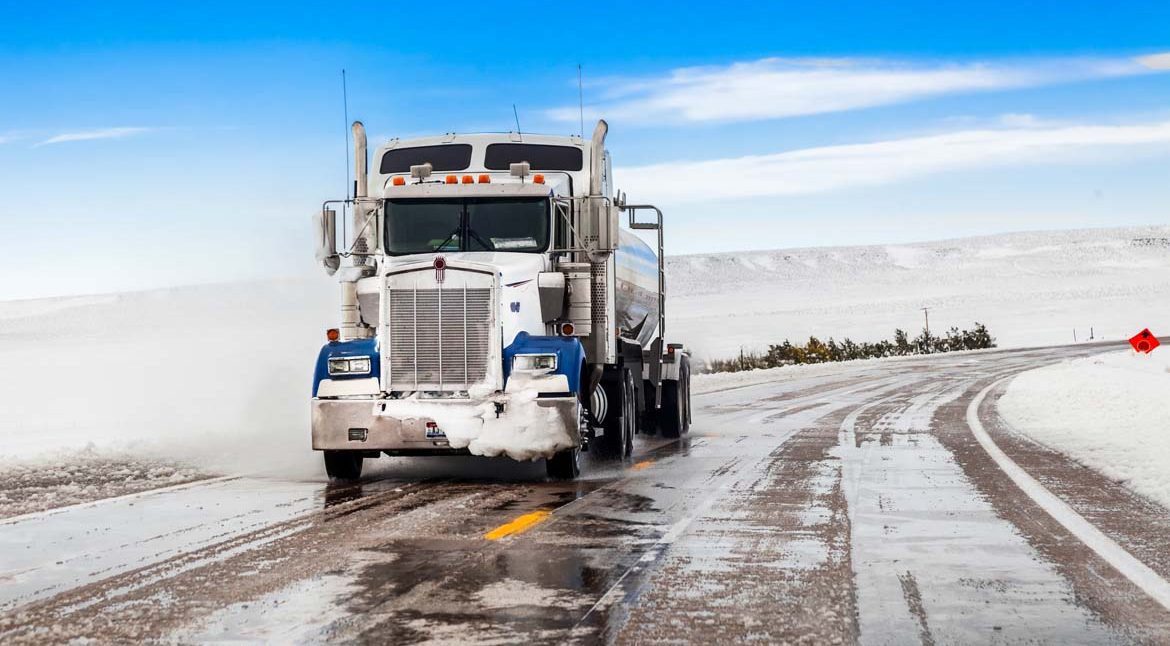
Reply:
x=491 y=304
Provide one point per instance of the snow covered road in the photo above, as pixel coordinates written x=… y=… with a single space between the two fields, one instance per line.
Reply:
x=864 y=503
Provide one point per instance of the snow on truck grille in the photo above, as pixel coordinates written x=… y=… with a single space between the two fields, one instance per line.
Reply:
x=439 y=337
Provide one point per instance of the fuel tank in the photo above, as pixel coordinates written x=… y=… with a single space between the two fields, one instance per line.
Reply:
x=636 y=278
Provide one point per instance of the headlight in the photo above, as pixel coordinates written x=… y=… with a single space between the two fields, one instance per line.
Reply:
x=534 y=363
x=349 y=366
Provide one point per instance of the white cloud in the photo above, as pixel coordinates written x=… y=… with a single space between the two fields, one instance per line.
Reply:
x=1156 y=61
x=774 y=88
x=830 y=168
x=100 y=133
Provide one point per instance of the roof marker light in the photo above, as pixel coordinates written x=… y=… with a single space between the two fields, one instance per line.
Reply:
x=468 y=179
x=485 y=179
x=451 y=179
x=399 y=180
x=538 y=179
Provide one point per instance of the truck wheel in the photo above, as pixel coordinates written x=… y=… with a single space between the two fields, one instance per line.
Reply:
x=343 y=465
x=671 y=417
x=565 y=465
x=631 y=415
x=650 y=417
x=619 y=424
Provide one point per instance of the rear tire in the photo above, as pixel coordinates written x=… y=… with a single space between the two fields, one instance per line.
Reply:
x=565 y=465
x=618 y=437
x=343 y=465
x=674 y=417
x=670 y=417
x=631 y=415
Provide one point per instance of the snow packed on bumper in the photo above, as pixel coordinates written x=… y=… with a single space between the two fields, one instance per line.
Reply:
x=524 y=431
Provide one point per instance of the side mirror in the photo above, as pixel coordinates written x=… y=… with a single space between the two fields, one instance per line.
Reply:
x=326 y=226
x=600 y=225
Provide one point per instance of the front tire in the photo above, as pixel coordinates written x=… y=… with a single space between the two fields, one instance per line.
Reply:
x=565 y=465
x=343 y=465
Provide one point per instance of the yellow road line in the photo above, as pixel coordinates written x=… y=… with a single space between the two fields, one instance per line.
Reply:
x=517 y=525
x=643 y=464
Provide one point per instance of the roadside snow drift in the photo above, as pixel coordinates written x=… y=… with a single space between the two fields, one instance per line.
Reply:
x=1111 y=412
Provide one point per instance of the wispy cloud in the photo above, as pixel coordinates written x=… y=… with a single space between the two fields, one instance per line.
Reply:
x=774 y=88
x=99 y=133
x=1156 y=61
x=830 y=168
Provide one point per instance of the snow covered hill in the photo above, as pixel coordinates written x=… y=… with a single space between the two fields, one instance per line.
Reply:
x=1029 y=288
x=220 y=375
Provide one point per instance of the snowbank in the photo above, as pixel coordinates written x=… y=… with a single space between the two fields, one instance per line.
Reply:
x=81 y=476
x=1111 y=412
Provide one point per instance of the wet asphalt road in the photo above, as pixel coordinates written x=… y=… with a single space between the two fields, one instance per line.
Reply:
x=858 y=505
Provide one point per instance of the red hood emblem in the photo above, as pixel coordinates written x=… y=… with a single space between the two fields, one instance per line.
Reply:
x=440 y=267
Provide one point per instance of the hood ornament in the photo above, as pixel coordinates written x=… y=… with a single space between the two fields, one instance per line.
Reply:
x=440 y=266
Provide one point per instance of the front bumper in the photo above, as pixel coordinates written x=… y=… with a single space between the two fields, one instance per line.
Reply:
x=372 y=425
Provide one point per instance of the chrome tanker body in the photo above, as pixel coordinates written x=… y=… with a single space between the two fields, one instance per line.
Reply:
x=492 y=304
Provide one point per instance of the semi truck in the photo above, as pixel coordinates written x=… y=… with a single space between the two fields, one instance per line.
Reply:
x=492 y=303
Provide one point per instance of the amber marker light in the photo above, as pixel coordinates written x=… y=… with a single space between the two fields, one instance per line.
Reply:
x=468 y=179
x=332 y=334
x=538 y=179
x=399 y=181
x=485 y=179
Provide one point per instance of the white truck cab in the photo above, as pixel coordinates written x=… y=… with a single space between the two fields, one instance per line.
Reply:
x=492 y=305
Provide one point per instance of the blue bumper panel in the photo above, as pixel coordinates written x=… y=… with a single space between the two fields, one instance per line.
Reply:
x=355 y=348
x=570 y=355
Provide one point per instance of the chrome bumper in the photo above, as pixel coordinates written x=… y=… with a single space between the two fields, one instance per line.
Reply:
x=353 y=425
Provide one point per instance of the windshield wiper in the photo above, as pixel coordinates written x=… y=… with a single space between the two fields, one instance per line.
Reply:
x=489 y=247
x=448 y=238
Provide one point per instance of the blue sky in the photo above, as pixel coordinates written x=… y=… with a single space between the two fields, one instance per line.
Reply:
x=144 y=145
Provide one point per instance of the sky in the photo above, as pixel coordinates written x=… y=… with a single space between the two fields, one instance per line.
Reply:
x=146 y=145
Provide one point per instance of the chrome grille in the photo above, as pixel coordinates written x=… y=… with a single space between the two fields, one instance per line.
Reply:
x=439 y=337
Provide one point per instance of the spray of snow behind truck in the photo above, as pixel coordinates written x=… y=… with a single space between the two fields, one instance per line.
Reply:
x=492 y=304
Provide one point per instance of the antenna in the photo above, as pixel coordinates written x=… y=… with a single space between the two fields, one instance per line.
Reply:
x=581 y=100
x=517 y=115
x=345 y=108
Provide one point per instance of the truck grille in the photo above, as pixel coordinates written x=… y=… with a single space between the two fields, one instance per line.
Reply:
x=439 y=337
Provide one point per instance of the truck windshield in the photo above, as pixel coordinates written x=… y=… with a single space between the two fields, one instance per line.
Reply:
x=473 y=224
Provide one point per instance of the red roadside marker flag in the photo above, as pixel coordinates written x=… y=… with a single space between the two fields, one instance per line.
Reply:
x=1144 y=341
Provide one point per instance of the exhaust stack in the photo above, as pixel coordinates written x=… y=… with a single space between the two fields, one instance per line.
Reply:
x=597 y=158
x=359 y=160
x=363 y=232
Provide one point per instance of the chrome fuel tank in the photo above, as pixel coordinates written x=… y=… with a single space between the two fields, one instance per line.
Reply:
x=636 y=278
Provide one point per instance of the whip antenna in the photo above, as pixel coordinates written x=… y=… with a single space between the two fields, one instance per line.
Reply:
x=580 y=101
x=345 y=109
x=517 y=116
